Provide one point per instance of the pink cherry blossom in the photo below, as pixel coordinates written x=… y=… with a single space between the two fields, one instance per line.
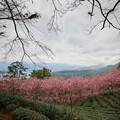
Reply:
x=60 y=90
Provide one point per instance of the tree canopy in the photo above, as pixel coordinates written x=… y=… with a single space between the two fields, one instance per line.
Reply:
x=16 y=70
x=118 y=67
x=44 y=72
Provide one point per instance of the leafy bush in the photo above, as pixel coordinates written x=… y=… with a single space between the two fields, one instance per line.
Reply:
x=55 y=112
x=6 y=98
x=50 y=110
x=27 y=114
x=40 y=74
x=11 y=107
x=11 y=101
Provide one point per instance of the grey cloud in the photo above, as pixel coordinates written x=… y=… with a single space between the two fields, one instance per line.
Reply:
x=73 y=45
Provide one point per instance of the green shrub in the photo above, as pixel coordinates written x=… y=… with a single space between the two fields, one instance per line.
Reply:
x=52 y=111
x=27 y=114
x=11 y=107
x=6 y=98
x=47 y=109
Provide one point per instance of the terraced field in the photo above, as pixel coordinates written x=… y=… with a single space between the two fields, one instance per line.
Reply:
x=106 y=107
x=106 y=101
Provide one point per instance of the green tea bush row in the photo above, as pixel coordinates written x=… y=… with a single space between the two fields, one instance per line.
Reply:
x=27 y=114
x=52 y=111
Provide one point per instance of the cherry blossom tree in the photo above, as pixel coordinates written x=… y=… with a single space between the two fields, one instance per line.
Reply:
x=68 y=91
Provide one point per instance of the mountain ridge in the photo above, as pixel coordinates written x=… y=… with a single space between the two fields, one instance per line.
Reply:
x=66 y=70
x=85 y=72
x=52 y=66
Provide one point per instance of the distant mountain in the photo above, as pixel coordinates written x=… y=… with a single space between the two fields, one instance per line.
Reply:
x=66 y=70
x=92 y=67
x=53 y=66
x=84 y=72
x=63 y=67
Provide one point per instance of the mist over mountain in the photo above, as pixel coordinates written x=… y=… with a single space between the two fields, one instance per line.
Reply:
x=53 y=66
x=65 y=70
x=84 y=72
x=63 y=67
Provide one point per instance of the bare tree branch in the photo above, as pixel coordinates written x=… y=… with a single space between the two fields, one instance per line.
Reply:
x=105 y=12
x=106 y=17
x=13 y=11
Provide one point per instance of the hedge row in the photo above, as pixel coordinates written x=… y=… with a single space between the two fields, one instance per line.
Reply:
x=26 y=114
x=47 y=109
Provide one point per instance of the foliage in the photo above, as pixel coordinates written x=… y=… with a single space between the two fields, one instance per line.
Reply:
x=118 y=66
x=67 y=91
x=11 y=107
x=5 y=99
x=12 y=101
x=16 y=70
x=11 y=85
x=40 y=74
x=62 y=112
x=27 y=114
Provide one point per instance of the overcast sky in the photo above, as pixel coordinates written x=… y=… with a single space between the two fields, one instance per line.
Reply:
x=73 y=45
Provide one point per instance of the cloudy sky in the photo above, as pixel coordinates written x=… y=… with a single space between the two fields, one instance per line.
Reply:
x=74 y=45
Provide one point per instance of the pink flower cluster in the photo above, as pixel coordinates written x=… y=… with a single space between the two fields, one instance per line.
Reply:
x=68 y=91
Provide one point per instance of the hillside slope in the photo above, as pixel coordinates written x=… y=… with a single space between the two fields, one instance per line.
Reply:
x=84 y=73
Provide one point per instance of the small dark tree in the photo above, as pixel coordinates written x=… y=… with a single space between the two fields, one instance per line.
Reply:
x=44 y=72
x=118 y=67
x=16 y=70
